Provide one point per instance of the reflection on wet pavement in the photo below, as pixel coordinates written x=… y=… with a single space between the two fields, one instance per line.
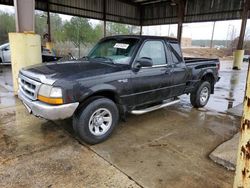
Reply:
x=170 y=147
x=165 y=148
x=6 y=88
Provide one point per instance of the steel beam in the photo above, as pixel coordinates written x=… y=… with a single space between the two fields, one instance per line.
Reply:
x=244 y=17
x=104 y=18
x=48 y=21
x=212 y=38
x=140 y=30
x=181 y=5
x=24 y=13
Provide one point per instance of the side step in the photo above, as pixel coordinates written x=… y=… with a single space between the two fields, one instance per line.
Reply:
x=152 y=108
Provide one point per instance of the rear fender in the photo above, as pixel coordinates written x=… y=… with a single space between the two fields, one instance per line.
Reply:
x=208 y=75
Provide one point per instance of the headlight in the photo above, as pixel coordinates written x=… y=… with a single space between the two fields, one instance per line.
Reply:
x=50 y=94
x=45 y=90
x=56 y=92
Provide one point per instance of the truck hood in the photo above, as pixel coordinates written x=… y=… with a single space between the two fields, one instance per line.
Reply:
x=70 y=70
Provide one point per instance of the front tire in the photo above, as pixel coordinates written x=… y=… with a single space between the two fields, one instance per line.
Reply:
x=201 y=95
x=95 y=122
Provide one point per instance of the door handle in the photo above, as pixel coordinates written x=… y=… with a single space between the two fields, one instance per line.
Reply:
x=168 y=71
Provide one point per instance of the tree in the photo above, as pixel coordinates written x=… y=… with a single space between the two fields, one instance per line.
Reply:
x=41 y=23
x=121 y=29
x=79 y=31
x=56 y=24
x=117 y=29
x=98 y=33
x=7 y=24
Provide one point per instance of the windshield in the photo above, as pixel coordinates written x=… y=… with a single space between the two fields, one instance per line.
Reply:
x=114 y=50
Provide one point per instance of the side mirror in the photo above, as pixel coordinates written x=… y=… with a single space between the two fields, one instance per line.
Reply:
x=144 y=62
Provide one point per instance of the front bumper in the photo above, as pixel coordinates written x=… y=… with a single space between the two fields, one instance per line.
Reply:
x=46 y=111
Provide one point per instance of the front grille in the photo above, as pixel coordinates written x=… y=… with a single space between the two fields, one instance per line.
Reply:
x=28 y=87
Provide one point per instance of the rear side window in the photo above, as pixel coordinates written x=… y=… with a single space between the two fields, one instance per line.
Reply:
x=176 y=52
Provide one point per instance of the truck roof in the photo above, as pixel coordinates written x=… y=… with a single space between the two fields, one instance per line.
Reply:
x=170 y=39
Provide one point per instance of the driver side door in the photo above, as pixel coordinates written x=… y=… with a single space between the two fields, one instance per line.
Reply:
x=148 y=82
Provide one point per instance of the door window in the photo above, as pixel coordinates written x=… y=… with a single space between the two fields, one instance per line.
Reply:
x=154 y=50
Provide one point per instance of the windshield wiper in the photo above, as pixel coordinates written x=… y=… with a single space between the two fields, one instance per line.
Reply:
x=105 y=58
x=84 y=58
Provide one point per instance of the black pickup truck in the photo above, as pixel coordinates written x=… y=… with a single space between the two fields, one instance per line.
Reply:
x=121 y=74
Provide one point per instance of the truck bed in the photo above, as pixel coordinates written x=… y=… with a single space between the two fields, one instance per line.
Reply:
x=198 y=59
x=200 y=62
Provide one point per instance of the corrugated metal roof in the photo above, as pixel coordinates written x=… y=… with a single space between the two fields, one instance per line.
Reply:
x=84 y=8
x=144 y=12
x=122 y=12
x=196 y=11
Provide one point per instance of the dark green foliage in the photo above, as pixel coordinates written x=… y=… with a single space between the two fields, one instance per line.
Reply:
x=79 y=31
x=7 y=24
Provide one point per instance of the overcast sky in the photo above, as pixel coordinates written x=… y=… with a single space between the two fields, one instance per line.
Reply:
x=223 y=29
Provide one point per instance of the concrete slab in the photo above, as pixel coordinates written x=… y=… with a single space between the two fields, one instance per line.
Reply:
x=38 y=153
x=65 y=165
x=169 y=148
x=226 y=153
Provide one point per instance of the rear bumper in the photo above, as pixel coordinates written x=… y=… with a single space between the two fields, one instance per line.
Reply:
x=46 y=111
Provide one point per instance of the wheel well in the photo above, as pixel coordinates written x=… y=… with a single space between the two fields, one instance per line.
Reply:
x=0 y=60
x=106 y=93
x=209 y=78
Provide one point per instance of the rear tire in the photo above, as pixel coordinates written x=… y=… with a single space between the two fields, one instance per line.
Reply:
x=95 y=122
x=200 y=96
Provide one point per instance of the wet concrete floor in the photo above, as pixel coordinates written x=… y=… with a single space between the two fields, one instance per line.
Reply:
x=165 y=148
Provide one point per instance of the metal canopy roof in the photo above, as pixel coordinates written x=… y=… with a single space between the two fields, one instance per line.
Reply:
x=144 y=12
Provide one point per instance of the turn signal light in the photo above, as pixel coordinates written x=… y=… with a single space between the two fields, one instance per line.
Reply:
x=218 y=66
x=50 y=100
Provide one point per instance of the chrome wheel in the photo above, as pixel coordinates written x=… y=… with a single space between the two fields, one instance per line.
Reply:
x=204 y=95
x=100 y=122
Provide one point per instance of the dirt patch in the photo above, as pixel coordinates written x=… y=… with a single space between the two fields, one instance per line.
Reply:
x=207 y=53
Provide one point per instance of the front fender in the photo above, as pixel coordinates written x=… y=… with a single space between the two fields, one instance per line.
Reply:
x=98 y=89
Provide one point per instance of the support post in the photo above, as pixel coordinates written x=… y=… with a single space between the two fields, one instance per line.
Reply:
x=181 y=12
x=212 y=38
x=24 y=15
x=141 y=17
x=239 y=53
x=141 y=30
x=243 y=24
x=25 y=45
x=104 y=28
x=49 y=44
x=104 y=18
x=242 y=173
x=48 y=21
